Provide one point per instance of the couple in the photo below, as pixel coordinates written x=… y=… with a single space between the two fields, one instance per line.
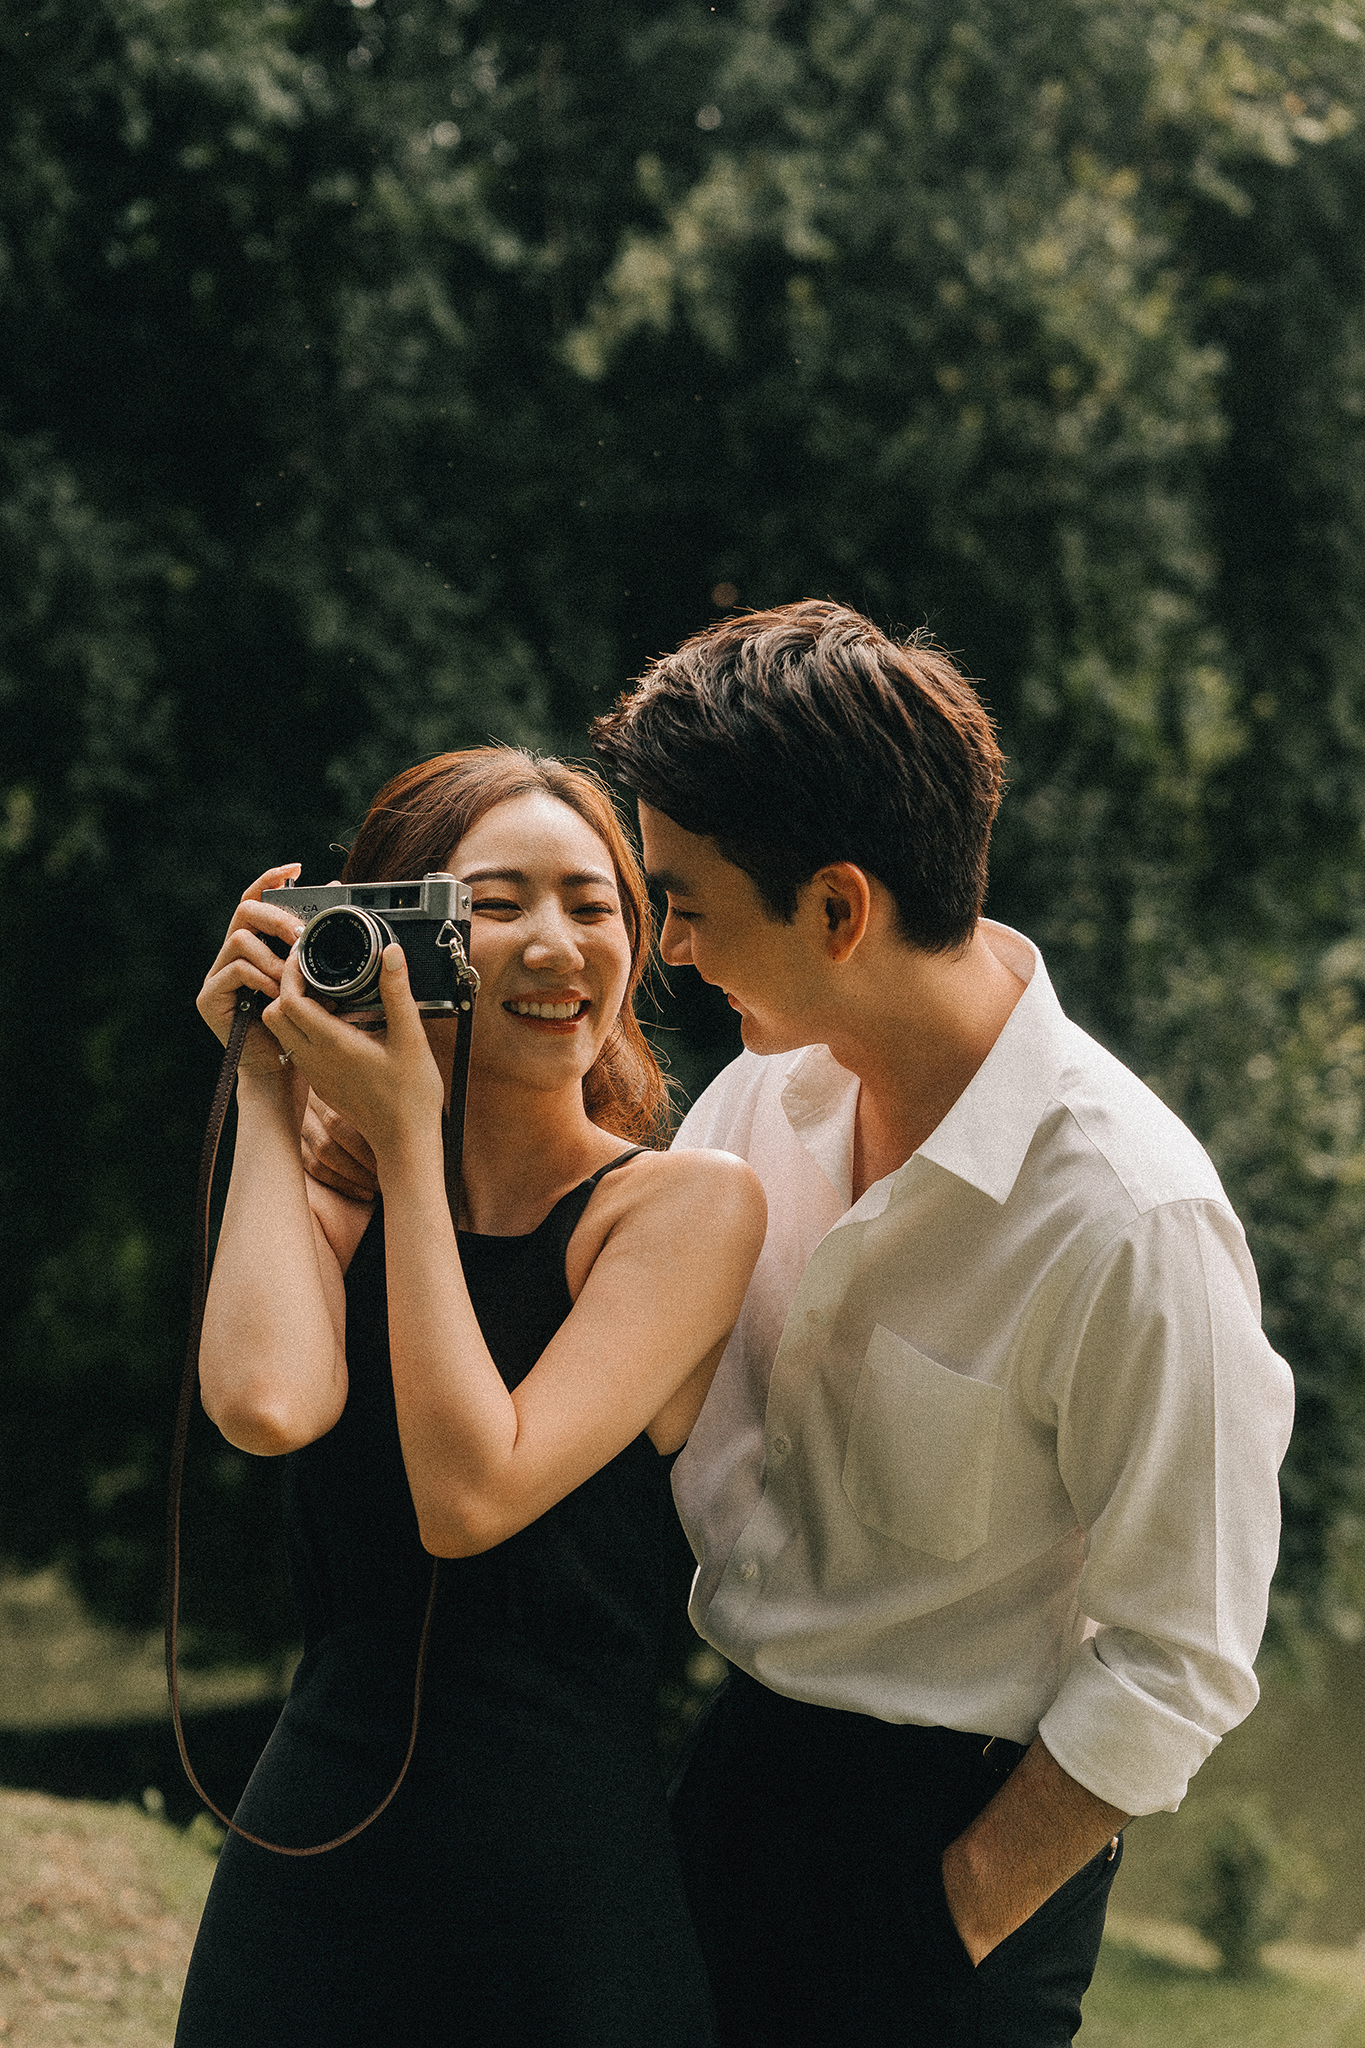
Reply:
x=996 y=1367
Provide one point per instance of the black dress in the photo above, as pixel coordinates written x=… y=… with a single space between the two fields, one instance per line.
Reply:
x=522 y=1890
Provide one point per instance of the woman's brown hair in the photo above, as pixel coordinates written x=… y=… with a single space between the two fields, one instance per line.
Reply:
x=418 y=819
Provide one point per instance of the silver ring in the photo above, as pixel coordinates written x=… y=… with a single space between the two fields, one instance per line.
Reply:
x=285 y=1058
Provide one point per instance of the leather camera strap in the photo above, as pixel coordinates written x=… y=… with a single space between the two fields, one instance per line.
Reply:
x=248 y=1009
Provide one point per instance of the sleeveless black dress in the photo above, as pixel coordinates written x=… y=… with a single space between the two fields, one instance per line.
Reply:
x=522 y=1890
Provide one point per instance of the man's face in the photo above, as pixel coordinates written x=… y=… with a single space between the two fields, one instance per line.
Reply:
x=717 y=923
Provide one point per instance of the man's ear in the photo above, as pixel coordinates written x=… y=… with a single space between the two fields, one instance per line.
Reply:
x=845 y=899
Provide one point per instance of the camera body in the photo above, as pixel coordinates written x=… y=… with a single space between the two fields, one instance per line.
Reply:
x=348 y=924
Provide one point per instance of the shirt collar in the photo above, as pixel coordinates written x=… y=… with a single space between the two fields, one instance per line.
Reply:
x=820 y=1099
x=986 y=1134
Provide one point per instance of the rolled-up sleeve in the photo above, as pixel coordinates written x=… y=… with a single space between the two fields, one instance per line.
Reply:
x=1172 y=1413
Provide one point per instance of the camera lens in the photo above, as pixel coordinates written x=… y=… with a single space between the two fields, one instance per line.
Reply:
x=340 y=951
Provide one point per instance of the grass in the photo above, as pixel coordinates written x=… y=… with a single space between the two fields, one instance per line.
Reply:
x=59 y=1668
x=98 y=1911
x=1156 y=1988
x=99 y=1905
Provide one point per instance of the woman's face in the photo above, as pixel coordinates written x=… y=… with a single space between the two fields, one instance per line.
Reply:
x=547 y=937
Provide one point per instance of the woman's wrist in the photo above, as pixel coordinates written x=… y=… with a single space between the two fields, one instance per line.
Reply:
x=408 y=1157
x=277 y=1090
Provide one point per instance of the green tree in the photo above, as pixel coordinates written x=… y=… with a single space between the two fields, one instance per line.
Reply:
x=1046 y=321
x=1250 y=1887
x=295 y=486
x=379 y=377
x=241 y=585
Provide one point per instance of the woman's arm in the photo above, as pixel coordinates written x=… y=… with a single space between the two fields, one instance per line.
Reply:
x=657 y=1305
x=660 y=1300
x=272 y=1361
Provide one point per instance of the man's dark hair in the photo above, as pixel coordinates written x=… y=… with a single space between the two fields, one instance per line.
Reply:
x=804 y=735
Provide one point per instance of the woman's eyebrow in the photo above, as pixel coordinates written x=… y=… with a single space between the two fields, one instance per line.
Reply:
x=596 y=878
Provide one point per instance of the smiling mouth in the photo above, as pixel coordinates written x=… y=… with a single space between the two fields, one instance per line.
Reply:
x=550 y=1013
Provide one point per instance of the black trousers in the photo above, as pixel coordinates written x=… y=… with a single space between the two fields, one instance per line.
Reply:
x=811 y=1842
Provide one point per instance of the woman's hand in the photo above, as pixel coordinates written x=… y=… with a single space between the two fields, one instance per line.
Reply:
x=272 y=1359
x=387 y=1084
x=246 y=959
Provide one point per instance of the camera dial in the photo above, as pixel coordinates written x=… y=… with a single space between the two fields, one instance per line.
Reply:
x=342 y=949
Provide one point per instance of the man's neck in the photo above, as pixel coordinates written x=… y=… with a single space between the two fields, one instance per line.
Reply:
x=916 y=1040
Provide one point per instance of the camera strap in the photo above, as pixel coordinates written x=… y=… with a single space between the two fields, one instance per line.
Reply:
x=248 y=1010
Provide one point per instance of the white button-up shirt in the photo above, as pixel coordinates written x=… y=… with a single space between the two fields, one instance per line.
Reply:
x=1020 y=1383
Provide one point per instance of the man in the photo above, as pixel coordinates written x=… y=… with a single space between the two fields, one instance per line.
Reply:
x=983 y=1497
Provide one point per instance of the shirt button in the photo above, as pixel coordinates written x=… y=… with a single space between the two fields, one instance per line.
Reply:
x=781 y=1446
x=748 y=1572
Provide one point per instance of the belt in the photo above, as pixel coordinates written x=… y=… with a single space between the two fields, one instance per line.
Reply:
x=995 y=1754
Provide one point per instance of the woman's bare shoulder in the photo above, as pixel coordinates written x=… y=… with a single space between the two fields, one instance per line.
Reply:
x=672 y=1212
x=695 y=1180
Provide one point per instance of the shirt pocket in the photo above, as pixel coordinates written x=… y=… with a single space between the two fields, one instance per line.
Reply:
x=921 y=1450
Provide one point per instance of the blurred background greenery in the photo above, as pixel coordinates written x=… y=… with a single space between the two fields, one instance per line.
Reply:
x=545 y=335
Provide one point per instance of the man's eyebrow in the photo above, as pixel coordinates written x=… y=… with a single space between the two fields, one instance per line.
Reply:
x=670 y=883
x=596 y=878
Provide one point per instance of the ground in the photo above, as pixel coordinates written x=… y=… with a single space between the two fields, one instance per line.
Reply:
x=98 y=1909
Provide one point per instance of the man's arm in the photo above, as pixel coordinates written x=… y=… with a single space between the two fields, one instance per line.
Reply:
x=1039 y=1830
x=1172 y=1414
x=335 y=1154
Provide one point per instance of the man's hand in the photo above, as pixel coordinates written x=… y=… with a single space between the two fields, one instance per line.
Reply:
x=1039 y=1830
x=335 y=1153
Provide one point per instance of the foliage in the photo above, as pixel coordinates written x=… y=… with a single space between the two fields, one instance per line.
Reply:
x=1250 y=1886
x=1263 y=1051
x=241 y=586
x=1060 y=311
x=951 y=256
x=382 y=376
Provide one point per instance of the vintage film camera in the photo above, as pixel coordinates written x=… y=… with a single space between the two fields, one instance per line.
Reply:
x=348 y=925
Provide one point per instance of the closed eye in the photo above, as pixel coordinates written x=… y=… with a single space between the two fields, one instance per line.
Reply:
x=497 y=906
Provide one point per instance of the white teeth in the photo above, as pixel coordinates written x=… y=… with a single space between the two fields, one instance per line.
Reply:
x=559 y=1013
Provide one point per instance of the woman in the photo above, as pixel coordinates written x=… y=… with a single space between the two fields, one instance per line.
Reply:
x=509 y=1401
